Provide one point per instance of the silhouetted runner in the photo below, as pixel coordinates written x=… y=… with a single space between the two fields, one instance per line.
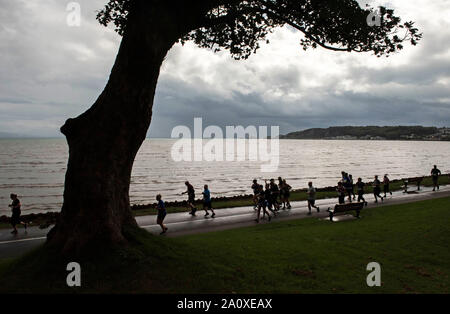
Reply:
x=341 y=193
x=377 y=189
x=347 y=185
x=161 y=214
x=262 y=202
x=311 y=198
x=352 y=185
x=360 y=189
x=435 y=173
x=207 y=204
x=16 y=212
x=386 y=182
x=255 y=187
x=191 y=198
x=275 y=192
x=286 y=195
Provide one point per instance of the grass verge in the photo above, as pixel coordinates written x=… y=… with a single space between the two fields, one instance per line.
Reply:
x=410 y=241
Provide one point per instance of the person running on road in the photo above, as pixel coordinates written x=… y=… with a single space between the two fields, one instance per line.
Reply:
x=255 y=187
x=281 y=189
x=311 y=198
x=352 y=186
x=275 y=192
x=161 y=214
x=207 y=204
x=348 y=186
x=16 y=212
x=377 y=189
x=287 y=194
x=191 y=198
x=262 y=202
x=435 y=173
x=360 y=189
x=341 y=193
x=386 y=182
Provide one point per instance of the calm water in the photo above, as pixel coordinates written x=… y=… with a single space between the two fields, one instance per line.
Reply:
x=34 y=169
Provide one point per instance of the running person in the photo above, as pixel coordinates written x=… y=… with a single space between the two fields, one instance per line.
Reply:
x=15 y=218
x=360 y=189
x=348 y=186
x=386 y=182
x=435 y=173
x=207 y=204
x=275 y=192
x=191 y=198
x=161 y=214
x=282 y=190
x=255 y=188
x=262 y=203
x=377 y=189
x=352 y=185
x=311 y=198
x=341 y=193
x=287 y=194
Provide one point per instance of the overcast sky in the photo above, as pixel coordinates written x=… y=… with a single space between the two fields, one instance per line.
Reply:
x=50 y=72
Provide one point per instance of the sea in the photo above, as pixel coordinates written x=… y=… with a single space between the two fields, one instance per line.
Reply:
x=35 y=168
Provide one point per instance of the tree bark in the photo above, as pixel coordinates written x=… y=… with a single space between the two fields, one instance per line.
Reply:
x=104 y=140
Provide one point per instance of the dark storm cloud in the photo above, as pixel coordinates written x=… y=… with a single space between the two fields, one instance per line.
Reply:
x=50 y=72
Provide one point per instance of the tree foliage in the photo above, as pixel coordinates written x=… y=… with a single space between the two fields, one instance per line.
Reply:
x=240 y=25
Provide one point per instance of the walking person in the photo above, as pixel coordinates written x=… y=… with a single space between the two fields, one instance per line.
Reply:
x=312 y=198
x=341 y=193
x=262 y=203
x=377 y=189
x=360 y=189
x=207 y=204
x=435 y=173
x=191 y=198
x=16 y=212
x=386 y=182
x=161 y=207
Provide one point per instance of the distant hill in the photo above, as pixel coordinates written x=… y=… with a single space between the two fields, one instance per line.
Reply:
x=373 y=133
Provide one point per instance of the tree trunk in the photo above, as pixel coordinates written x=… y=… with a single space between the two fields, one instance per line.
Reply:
x=104 y=140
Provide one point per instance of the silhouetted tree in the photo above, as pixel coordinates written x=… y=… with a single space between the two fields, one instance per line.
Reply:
x=104 y=140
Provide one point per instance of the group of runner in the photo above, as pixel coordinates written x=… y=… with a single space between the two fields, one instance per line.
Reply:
x=270 y=197
x=346 y=187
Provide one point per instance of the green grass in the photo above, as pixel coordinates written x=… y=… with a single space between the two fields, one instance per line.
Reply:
x=410 y=241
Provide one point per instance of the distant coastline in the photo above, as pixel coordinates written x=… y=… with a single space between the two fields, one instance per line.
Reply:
x=397 y=133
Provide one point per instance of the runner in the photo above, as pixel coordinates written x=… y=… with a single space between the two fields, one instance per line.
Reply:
x=191 y=198
x=161 y=214
x=269 y=199
x=287 y=194
x=255 y=187
x=207 y=202
x=262 y=202
x=275 y=192
x=341 y=192
x=347 y=186
x=353 y=186
x=386 y=182
x=377 y=189
x=282 y=190
x=15 y=218
x=360 y=189
x=311 y=198
x=435 y=173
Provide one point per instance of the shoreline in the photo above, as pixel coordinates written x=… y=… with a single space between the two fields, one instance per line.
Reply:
x=44 y=220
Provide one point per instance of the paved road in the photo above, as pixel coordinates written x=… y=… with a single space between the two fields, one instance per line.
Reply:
x=183 y=224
